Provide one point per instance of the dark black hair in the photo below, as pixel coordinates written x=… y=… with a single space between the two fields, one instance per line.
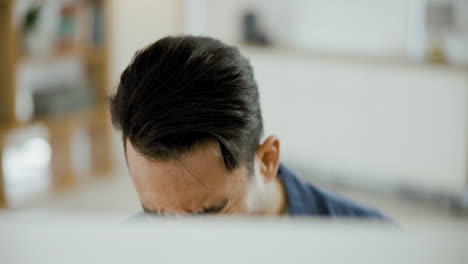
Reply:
x=181 y=91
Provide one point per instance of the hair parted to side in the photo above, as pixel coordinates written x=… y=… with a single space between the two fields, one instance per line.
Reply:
x=181 y=91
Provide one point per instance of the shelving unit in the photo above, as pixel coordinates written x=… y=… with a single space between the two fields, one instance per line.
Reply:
x=93 y=118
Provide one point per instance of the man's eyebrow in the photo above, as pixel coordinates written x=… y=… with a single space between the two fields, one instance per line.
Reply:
x=215 y=209
x=149 y=211
x=209 y=210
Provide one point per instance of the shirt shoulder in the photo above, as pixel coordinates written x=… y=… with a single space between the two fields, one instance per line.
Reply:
x=308 y=199
x=336 y=205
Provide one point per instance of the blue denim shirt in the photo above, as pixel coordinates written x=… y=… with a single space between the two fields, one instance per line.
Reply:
x=305 y=199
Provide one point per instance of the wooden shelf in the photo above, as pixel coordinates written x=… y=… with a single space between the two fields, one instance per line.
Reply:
x=96 y=56
x=76 y=118
x=94 y=118
x=371 y=60
x=48 y=60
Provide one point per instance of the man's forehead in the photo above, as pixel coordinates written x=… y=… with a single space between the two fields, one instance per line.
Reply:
x=206 y=156
x=198 y=179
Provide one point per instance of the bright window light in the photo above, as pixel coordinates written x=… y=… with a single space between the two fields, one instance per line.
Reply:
x=26 y=164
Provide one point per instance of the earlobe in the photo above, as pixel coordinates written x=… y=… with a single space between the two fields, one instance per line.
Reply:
x=268 y=155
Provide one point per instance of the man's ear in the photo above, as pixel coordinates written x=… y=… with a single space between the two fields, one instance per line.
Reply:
x=268 y=156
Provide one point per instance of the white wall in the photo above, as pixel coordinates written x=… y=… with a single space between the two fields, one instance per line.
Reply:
x=371 y=122
x=366 y=27
x=135 y=24
x=362 y=27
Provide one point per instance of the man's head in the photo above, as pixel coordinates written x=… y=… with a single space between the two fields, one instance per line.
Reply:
x=188 y=108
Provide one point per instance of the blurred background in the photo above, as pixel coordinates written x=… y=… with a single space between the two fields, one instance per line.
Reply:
x=369 y=98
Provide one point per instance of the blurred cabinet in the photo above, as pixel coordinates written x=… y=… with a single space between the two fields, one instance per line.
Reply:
x=54 y=74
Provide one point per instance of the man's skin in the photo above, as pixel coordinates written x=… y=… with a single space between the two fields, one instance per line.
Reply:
x=199 y=183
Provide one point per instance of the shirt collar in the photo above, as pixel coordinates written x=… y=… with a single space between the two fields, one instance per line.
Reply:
x=300 y=200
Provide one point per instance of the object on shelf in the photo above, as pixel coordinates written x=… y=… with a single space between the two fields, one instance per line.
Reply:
x=446 y=32
x=252 y=32
x=440 y=20
x=52 y=27
x=68 y=30
x=97 y=24
x=61 y=99
x=47 y=89
x=39 y=30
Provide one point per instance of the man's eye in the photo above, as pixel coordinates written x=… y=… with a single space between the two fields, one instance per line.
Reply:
x=154 y=213
x=213 y=210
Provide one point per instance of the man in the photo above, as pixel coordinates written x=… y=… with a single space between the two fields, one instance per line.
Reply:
x=188 y=108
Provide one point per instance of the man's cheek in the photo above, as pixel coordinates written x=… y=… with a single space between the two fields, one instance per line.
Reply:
x=240 y=207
